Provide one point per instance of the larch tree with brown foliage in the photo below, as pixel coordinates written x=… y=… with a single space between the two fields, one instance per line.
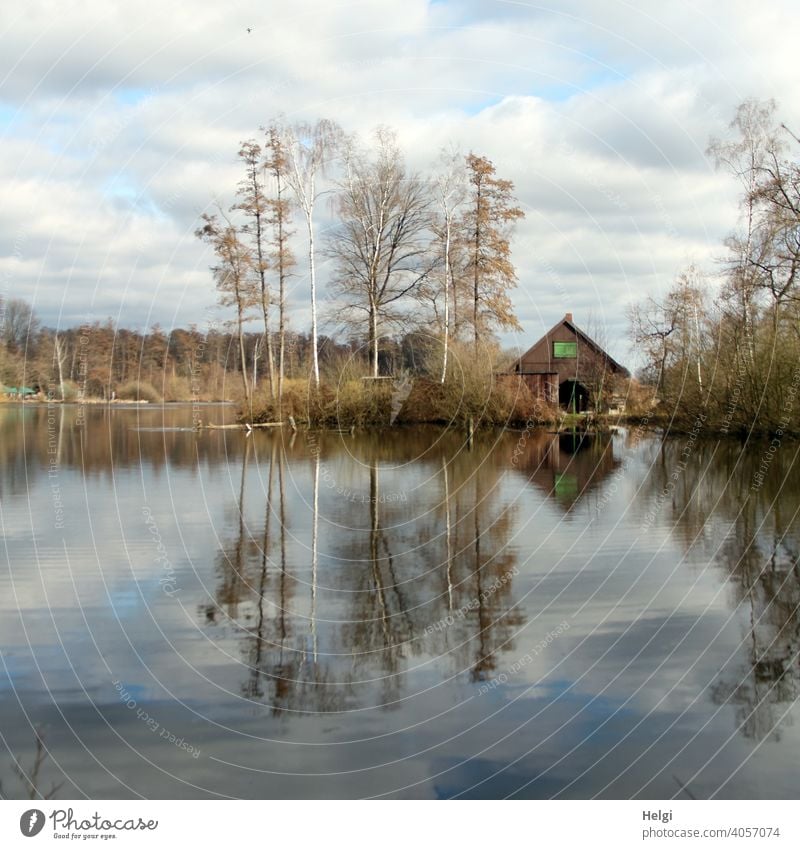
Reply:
x=486 y=225
x=233 y=273
x=255 y=206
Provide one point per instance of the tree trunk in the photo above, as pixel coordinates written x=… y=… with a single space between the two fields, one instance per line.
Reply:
x=267 y=334
x=281 y=303
x=455 y=304
x=264 y=288
x=59 y=358
x=267 y=343
x=314 y=557
x=446 y=300
x=373 y=338
x=697 y=337
x=476 y=275
x=449 y=572
x=315 y=359
x=243 y=358
x=255 y=364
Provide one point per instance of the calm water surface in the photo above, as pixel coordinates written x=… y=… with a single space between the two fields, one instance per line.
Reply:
x=394 y=614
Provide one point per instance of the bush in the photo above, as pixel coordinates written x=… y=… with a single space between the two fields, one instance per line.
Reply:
x=351 y=403
x=71 y=390
x=177 y=389
x=473 y=391
x=135 y=390
x=480 y=396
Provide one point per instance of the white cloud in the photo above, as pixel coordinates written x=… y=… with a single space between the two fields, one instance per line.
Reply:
x=126 y=124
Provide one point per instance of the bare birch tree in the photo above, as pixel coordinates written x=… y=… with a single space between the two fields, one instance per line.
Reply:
x=449 y=186
x=59 y=357
x=670 y=336
x=745 y=156
x=381 y=246
x=307 y=149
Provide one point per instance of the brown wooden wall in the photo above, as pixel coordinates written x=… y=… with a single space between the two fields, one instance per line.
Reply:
x=539 y=359
x=543 y=386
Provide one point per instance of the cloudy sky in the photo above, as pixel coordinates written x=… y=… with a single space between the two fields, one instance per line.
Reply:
x=120 y=124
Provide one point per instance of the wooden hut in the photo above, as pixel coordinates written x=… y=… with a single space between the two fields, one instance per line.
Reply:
x=568 y=368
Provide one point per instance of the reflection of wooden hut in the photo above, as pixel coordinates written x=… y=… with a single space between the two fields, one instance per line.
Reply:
x=565 y=367
x=567 y=466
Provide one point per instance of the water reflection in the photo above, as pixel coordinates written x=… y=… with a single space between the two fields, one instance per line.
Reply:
x=566 y=466
x=400 y=587
x=34 y=438
x=748 y=524
x=405 y=574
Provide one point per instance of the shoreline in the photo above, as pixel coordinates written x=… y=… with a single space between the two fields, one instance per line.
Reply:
x=582 y=424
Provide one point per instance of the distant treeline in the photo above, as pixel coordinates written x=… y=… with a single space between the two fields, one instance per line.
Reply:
x=101 y=360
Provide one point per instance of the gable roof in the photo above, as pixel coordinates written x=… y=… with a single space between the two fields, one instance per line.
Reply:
x=587 y=340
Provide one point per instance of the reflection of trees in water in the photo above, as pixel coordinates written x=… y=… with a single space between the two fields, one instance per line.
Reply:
x=256 y=592
x=419 y=536
x=27 y=434
x=433 y=562
x=764 y=566
x=28 y=779
x=98 y=438
x=761 y=557
x=492 y=623
x=379 y=622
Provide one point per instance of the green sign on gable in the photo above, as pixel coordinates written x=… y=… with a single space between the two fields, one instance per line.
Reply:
x=565 y=350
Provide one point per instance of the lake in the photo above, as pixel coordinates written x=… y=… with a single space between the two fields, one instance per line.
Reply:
x=393 y=614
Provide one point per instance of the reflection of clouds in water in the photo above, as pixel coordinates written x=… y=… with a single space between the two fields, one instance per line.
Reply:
x=680 y=652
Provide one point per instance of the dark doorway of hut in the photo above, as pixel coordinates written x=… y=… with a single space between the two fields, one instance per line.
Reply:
x=573 y=397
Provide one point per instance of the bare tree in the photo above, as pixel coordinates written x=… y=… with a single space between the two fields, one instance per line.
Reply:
x=381 y=246
x=307 y=148
x=594 y=370
x=652 y=324
x=776 y=252
x=766 y=255
x=670 y=334
x=19 y=325
x=449 y=185
x=745 y=157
